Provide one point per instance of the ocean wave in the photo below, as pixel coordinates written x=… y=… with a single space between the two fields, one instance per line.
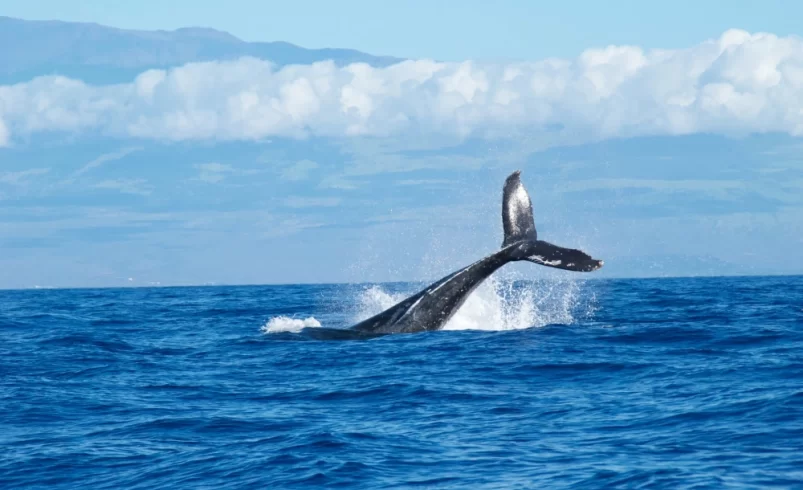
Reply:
x=625 y=395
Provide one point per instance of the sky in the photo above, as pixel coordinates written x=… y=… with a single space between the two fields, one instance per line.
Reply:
x=442 y=30
x=684 y=160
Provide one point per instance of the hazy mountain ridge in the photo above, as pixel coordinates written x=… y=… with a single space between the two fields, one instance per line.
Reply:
x=99 y=54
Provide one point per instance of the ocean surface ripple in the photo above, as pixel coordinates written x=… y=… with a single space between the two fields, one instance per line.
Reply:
x=660 y=383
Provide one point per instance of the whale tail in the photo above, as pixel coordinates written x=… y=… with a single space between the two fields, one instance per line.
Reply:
x=522 y=238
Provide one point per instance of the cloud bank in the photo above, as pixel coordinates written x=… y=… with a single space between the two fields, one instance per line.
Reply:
x=739 y=83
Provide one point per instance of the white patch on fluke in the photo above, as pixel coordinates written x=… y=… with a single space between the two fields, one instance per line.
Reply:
x=543 y=260
x=412 y=307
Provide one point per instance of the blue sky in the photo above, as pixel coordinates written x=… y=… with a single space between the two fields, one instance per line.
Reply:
x=679 y=161
x=444 y=30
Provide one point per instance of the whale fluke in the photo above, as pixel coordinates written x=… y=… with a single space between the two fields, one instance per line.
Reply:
x=432 y=307
x=517 y=212
x=569 y=259
x=519 y=228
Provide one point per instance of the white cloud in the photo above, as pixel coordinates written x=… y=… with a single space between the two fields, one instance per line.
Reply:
x=138 y=187
x=97 y=162
x=105 y=158
x=311 y=202
x=4 y=136
x=338 y=182
x=214 y=172
x=736 y=84
x=704 y=186
x=425 y=182
x=299 y=170
x=21 y=178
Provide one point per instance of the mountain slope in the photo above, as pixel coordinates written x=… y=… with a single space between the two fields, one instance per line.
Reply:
x=100 y=54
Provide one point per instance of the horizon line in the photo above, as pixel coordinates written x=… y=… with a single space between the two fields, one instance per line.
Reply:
x=363 y=283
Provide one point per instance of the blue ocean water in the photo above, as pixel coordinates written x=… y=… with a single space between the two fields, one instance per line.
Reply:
x=664 y=383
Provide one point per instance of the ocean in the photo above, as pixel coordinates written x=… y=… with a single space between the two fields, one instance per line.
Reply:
x=554 y=383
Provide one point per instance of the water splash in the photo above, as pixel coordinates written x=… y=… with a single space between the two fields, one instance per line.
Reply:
x=375 y=299
x=499 y=304
x=286 y=324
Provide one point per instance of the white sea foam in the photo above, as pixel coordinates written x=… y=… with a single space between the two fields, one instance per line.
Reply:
x=286 y=324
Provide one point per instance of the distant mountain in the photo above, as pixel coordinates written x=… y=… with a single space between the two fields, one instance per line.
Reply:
x=100 y=54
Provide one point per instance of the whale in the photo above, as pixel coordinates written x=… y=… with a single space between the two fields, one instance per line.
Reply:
x=432 y=307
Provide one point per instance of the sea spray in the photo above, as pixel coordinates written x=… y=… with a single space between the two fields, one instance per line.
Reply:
x=497 y=304
x=286 y=324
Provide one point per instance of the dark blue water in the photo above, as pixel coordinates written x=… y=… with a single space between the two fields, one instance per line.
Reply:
x=672 y=383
